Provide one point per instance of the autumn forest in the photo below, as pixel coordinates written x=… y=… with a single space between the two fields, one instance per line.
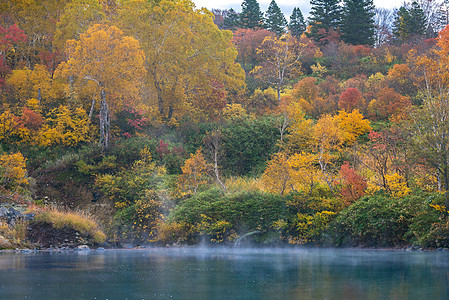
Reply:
x=157 y=122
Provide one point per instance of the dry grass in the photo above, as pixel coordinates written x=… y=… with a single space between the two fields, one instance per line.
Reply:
x=239 y=184
x=78 y=220
x=11 y=235
x=5 y=243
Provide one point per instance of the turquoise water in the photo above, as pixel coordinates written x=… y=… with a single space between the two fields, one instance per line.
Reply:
x=201 y=273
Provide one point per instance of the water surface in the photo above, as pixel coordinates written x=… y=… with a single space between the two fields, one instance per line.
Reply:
x=201 y=273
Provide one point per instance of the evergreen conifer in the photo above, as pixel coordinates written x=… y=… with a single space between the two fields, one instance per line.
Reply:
x=409 y=22
x=297 y=25
x=325 y=18
x=231 y=19
x=274 y=19
x=251 y=16
x=358 y=22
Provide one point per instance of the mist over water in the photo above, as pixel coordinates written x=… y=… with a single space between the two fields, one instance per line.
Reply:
x=225 y=273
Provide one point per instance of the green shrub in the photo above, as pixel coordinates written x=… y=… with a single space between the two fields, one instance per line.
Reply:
x=138 y=221
x=383 y=221
x=212 y=211
x=247 y=144
x=372 y=221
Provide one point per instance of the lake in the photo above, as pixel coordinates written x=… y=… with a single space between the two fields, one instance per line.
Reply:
x=225 y=273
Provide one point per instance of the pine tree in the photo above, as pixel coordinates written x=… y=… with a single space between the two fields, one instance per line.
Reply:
x=409 y=23
x=401 y=23
x=231 y=19
x=274 y=19
x=358 y=22
x=417 y=19
x=297 y=24
x=251 y=16
x=325 y=18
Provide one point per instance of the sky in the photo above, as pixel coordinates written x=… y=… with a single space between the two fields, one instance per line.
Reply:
x=285 y=5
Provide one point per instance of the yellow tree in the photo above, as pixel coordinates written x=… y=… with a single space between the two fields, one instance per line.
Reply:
x=353 y=125
x=300 y=128
x=35 y=83
x=286 y=173
x=277 y=176
x=194 y=171
x=190 y=62
x=78 y=15
x=13 y=171
x=429 y=125
x=303 y=171
x=280 y=59
x=64 y=126
x=327 y=140
x=113 y=62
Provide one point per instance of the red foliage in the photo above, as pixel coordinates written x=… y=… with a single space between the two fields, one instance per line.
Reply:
x=361 y=50
x=389 y=103
x=11 y=35
x=351 y=99
x=353 y=185
x=31 y=119
x=247 y=41
x=51 y=59
x=162 y=149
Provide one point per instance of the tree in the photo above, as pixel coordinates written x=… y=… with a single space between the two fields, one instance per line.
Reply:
x=383 y=20
x=10 y=38
x=388 y=103
x=194 y=171
x=325 y=19
x=353 y=125
x=327 y=139
x=13 y=173
x=64 y=126
x=247 y=41
x=38 y=20
x=358 y=22
x=429 y=125
x=112 y=62
x=190 y=63
x=231 y=20
x=297 y=25
x=351 y=99
x=274 y=19
x=409 y=23
x=281 y=59
x=290 y=173
x=353 y=185
x=78 y=15
x=277 y=176
x=226 y=18
x=36 y=83
x=418 y=21
x=251 y=16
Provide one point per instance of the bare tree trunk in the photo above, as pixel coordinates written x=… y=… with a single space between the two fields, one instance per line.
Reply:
x=104 y=121
x=39 y=96
x=212 y=142
x=283 y=127
x=91 y=112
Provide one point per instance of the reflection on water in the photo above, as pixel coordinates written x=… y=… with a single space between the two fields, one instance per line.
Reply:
x=199 y=273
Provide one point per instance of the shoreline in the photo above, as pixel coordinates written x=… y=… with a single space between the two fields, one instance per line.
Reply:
x=85 y=248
